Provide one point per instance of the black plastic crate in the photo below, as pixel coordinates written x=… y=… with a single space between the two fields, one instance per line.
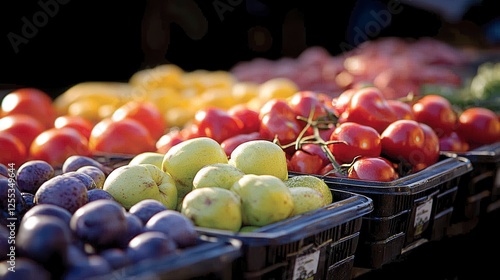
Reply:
x=323 y=242
x=211 y=259
x=479 y=190
x=408 y=212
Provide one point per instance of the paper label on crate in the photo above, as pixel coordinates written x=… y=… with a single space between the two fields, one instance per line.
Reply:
x=306 y=266
x=422 y=216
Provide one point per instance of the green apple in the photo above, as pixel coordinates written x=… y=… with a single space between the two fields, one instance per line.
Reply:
x=305 y=199
x=130 y=184
x=222 y=175
x=215 y=208
x=265 y=199
x=185 y=159
x=313 y=182
x=260 y=157
x=148 y=157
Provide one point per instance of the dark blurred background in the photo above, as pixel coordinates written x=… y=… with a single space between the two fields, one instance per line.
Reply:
x=52 y=44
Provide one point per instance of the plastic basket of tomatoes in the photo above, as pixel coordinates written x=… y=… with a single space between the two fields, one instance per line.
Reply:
x=320 y=244
x=408 y=211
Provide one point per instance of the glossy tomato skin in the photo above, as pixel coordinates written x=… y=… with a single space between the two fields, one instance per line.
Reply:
x=25 y=127
x=356 y=140
x=168 y=140
x=216 y=123
x=411 y=142
x=278 y=120
x=249 y=118
x=231 y=143
x=125 y=136
x=80 y=123
x=144 y=112
x=55 y=145
x=369 y=107
x=303 y=102
x=30 y=101
x=437 y=112
x=402 y=109
x=309 y=159
x=453 y=143
x=341 y=102
x=479 y=126
x=13 y=150
x=373 y=169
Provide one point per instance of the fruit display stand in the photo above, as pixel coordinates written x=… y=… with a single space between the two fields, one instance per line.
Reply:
x=479 y=190
x=320 y=243
x=408 y=212
x=211 y=259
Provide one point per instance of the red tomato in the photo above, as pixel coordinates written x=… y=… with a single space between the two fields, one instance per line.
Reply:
x=373 y=169
x=342 y=101
x=402 y=109
x=479 y=126
x=303 y=102
x=304 y=162
x=357 y=140
x=30 y=101
x=144 y=112
x=249 y=118
x=329 y=170
x=437 y=112
x=278 y=120
x=232 y=142
x=13 y=150
x=83 y=125
x=55 y=145
x=216 y=123
x=125 y=136
x=26 y=128
x=168 y=140
x=453 y=143
x=411 y=142
x=369 y=107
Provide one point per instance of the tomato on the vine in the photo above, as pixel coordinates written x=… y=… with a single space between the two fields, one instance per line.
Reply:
x=278 y=120
x=479 y=126
x=217 y=124
x=369 y=107
x=410 y=142
x=402 y=109
x=309 y=159
x=372 y=169
x=437 y=112
x=249 y=118
x=354 y=139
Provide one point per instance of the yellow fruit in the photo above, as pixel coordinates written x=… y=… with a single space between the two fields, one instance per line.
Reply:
x=243 y=92
x=185 y=159
x=312 y=182
x=179 y=116
x=222 y=175
x=260 y=157
x=215 y=97
x=99 y=92
x=277 y=88
x=167 y=75
x=265 y=199
x=305 y=199
x=148 y=157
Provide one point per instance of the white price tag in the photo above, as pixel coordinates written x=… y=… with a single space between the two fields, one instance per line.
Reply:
x=422 y=216
x=306 y=266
